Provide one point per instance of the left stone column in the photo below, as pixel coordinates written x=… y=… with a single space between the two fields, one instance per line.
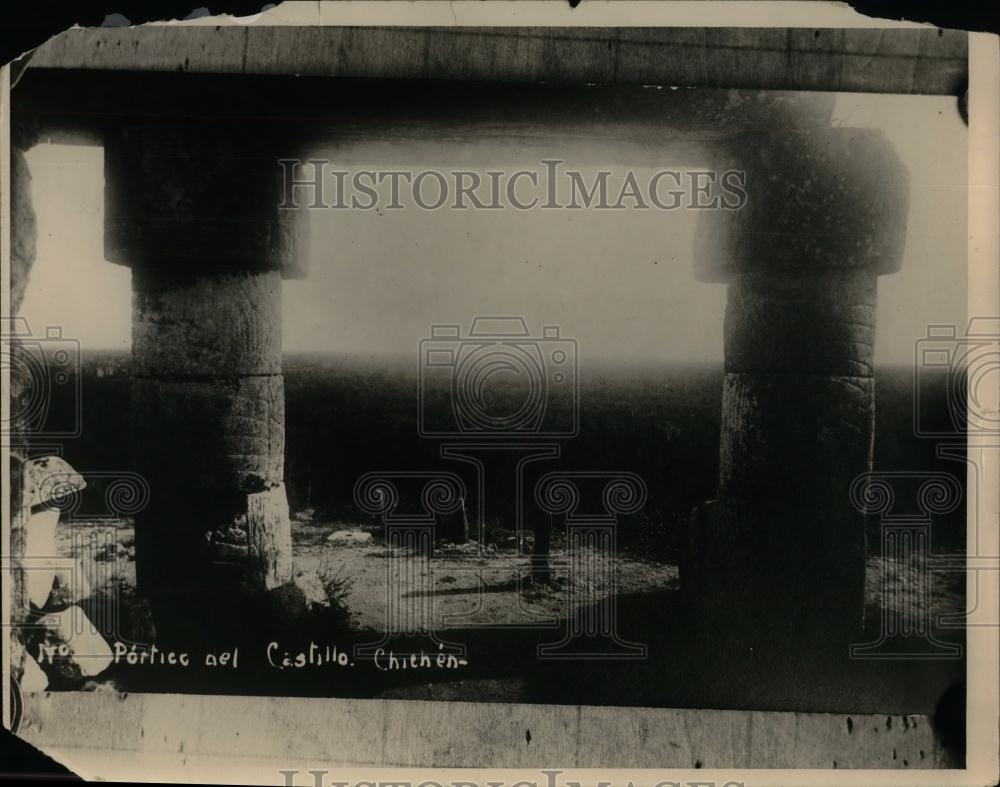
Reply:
x=23 y=241
x=192 y=208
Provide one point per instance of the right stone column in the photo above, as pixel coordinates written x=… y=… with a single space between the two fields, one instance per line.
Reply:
x=779 y=556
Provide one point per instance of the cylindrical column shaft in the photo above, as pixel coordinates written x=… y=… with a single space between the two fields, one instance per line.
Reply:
x=780 y=554
x=798 y=392
x=208 y=415
x=193 y=210
x=16 y=430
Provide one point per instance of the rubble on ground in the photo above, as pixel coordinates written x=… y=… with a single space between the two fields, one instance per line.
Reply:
x=303 y=594
x=349 y=537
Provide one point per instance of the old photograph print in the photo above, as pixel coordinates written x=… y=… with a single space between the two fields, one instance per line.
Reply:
x=619 y=367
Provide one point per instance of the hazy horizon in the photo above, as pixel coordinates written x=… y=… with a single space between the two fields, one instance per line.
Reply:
x=391 y=359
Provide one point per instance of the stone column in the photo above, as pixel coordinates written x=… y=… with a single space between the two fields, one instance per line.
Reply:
x=780 y=554
x=15 y=433
x=192 y=208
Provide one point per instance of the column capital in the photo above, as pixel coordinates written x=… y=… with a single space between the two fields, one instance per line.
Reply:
x=831 y=200
x=200 y=196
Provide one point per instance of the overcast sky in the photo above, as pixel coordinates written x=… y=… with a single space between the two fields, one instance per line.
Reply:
x=620 y=282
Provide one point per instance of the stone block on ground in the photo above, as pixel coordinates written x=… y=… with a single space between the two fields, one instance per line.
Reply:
x=143 y=627
x=49 y=479
x=306 y=515
x=269 y=535
x=69 y=586
x=453 y=525
x=304 y=593
x=33 y=679
x=68 y=646
x=254 y=547
x=101 y=685
x=40 y=555
x=349 y=538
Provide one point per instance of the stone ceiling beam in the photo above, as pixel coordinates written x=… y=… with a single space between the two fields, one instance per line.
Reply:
x=900 y=60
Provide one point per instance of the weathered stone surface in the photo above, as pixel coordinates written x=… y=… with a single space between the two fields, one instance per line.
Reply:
x=226 y=547
x=815 y=201
x=69 y=586
x=795 y=438
x=776 y=562
x=51 y=479
x=23 y=248
x=306 y=515
x=304 y=593
x=199 y=196
x=349 y=537
x=225 y=434
x=777 y=591
x=208 y=412
x=269 y=536
x=208 y=325
x=40 y=555
x=20 y=604
x=143 y=626
x=453 y=525
x=67 y=645
x=33 y=679
x=192 y=207
x=22 y=228
x=103 y=685
x=876 y=60
x=820 y=323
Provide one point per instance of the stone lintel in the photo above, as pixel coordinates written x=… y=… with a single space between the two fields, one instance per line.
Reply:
x=83 y=107
x=930 y=61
